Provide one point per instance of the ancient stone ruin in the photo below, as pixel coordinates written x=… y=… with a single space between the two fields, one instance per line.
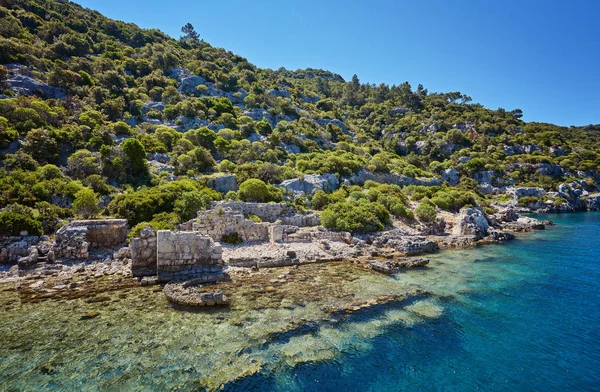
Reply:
x=76 y=239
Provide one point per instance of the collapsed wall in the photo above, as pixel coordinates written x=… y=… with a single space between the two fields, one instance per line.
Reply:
x=76 y=239
x=267 y=212
x=221 y=221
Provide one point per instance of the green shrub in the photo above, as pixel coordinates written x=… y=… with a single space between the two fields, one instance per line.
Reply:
x=355 y=218
x=162 y=221
x=142 y=205
x=188 y=205
x=426 y=211
x=256 y=190
x=232 y=238
x=254 y=218
x=12 y=223
x=399 y=210
x=86 y=204
x=319 y=200
x=527 y=200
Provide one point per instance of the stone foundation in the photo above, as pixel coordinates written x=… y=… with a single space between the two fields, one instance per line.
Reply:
x=184 y=252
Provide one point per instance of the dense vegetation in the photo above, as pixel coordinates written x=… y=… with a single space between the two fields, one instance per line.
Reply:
x=127 y=138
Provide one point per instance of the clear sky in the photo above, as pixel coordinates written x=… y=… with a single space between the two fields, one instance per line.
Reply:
x=540 y=56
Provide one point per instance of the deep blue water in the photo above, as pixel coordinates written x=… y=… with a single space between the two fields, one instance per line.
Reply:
x=529 y=321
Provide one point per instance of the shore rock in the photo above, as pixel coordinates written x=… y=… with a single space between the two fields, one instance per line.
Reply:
x=471 y=221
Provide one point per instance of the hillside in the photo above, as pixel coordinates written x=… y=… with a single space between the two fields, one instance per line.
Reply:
x=100 y=117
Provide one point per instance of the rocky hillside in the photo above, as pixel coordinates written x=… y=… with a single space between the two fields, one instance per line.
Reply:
x=101 y=117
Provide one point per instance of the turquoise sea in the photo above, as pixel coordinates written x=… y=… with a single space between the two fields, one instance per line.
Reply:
x=521 y=316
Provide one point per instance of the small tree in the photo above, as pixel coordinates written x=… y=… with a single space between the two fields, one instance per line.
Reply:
x=189 y=33
x=86 y=204
x=190 y=203
x=136 y=153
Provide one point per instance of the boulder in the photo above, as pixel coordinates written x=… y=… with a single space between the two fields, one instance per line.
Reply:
x=25 y=85
x=223 y=183
x=593 y=202
x=451 y=176
x=178 y=74
x=279 y=93
x=159 y=106
x=189 y=84
x=391 y=178
x=310 y=184
x=527 y=192
x=471 y=221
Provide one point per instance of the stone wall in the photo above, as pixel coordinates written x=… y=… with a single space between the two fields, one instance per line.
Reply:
x=104 y=233
x=289 y=233
x=301 y=220
x=268 y=212
x=143 y=253
x=185 y=252
x=12 y=248
x=220 y=221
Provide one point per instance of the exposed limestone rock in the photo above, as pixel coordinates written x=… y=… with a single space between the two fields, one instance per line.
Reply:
x=527 y=192
x=15 y=247
x=26 y=85
x=451 y=176
x=405 y=244
x=223 y=183
x=390 y=178
x=189 y=84
x=471 y=221
x=311 y=183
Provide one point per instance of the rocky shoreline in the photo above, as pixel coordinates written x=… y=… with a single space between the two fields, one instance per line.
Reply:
x=387 y=252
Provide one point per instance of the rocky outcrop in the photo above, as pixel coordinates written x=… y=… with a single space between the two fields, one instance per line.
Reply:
x=195 y=292
x=471 y=221
x=405 y=244
x=310 y=183
x=390 y=178
x=389 y=267
x=15 y=247
x=593 y=202
x=223 y=183
x=451 y=176
x=26 y=85
x=189 y=84
x=527 y=192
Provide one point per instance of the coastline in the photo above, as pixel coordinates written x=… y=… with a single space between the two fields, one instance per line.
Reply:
x=313 y=296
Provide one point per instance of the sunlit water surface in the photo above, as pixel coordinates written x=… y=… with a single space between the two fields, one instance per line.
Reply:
x=519 y=316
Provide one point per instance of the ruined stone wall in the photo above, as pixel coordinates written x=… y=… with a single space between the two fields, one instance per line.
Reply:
x=103 y=233
x=268 y=212
x=14 y=247
x=301 y=220
x=143 y=253
x=186 y=251
x=218 y=222
x=289 y=233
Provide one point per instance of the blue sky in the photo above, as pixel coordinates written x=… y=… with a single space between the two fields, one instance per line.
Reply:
x=540 y=56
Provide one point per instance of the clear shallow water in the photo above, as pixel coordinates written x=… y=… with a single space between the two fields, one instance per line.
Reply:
x=519 y=316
